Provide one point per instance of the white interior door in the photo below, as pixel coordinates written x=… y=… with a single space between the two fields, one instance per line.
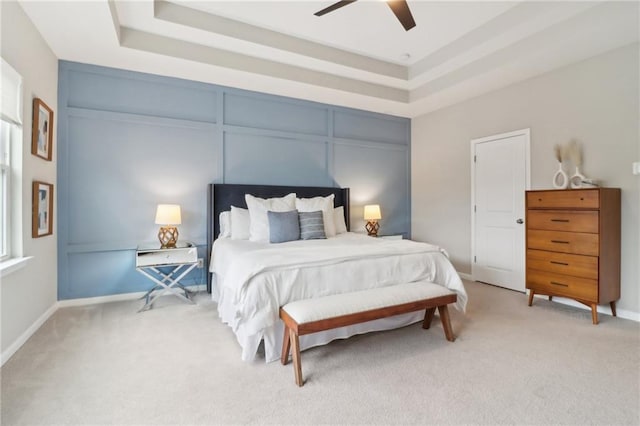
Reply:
x=500 y=175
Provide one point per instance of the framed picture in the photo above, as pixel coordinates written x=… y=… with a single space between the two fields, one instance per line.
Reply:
x=42 y=217
x=42 y=130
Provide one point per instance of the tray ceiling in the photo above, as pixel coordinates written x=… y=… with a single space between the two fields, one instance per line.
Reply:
x=358 y=56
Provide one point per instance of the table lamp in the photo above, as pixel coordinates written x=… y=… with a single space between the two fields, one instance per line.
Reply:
x=372 y=215
x=167 y=215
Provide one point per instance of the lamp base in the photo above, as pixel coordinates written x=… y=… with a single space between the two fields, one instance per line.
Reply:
x=168 y=236
x=372 y=228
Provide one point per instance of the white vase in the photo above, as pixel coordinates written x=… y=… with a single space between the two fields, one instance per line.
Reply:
x=560 y=179
x=576 y=179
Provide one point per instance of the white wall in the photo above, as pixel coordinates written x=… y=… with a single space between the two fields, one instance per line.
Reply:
x=594 y=101
x=29 y=294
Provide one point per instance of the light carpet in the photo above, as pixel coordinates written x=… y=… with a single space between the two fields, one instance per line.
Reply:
x=177 y=364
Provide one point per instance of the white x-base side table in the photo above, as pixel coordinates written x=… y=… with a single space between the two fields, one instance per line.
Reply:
x=182 y=260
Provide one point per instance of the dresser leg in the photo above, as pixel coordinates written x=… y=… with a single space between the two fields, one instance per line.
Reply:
x=531 y=293
x=594 y=313
x=550 y=298
x=613 y=308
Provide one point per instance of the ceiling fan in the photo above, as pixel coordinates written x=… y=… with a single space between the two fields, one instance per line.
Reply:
x=399 y=7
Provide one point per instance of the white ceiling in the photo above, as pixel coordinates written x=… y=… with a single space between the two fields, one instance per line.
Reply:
x=355 y=56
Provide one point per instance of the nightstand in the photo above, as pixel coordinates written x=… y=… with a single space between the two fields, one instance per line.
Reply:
x=180 y=261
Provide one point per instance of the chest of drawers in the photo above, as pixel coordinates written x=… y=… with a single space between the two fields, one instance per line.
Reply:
x=573 y=245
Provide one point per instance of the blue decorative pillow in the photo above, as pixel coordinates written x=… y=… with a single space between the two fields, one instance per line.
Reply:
x=311 y=225
x=283 y=226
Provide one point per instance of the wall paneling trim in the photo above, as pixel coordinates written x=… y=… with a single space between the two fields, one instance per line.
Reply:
x=128 y=141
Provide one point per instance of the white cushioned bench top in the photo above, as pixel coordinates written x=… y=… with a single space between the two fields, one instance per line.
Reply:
x=309 y=310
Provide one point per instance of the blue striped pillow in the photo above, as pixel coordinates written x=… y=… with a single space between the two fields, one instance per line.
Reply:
x=311 y=225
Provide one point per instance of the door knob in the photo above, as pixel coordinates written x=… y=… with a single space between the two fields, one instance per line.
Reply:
x=520 y=221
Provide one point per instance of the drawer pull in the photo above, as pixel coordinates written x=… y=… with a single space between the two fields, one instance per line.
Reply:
x=560 y=242
x=559 y=263
x=560 y=284
x=560 y=220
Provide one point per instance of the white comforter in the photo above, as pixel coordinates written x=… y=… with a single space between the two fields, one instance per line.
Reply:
x=254 y=279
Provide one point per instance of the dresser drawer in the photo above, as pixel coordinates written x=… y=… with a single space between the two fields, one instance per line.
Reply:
x=562 y=285
x=564 y=242
x=563 y=220
x=577 y=198
x=563 y=263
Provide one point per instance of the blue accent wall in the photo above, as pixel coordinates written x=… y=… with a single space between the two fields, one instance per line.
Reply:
x=128 y=141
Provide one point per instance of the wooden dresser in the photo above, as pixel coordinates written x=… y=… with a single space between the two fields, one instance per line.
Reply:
x=573 y=245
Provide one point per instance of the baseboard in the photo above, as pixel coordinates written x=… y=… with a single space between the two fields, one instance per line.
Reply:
x=465 y=276
x=11 y=350
x=115 y=297
x=602 y=309
x=100 y=299
x=17 y=344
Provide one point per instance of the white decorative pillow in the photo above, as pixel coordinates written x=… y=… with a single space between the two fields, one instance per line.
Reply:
x=239 y=223
x=320 y=203
x=338 y=220
x=225 y=224
x=258 y=208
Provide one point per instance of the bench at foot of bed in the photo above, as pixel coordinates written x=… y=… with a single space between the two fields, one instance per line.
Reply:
x=340 y=310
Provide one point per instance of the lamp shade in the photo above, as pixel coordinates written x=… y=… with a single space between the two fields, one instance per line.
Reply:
x=372 y=212
x=168 y=214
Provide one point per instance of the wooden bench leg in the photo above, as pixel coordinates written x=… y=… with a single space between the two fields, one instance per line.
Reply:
x=446 y=322
x=286 y=345
x=295 y=346
x=428 y=316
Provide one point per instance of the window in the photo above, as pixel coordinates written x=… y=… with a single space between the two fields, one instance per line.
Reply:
x=10 y=135
x=5 y=185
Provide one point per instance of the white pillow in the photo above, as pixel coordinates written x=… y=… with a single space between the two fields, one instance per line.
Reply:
x=258 y=208
x=338 y=220
x=225 y=224
x=320 y=203
x=239 y=223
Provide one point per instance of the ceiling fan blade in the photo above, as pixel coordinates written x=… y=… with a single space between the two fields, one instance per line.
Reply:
x=401 y=9
x=334 y=6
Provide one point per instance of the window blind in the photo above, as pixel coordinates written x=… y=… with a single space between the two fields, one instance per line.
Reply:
x=10 y=94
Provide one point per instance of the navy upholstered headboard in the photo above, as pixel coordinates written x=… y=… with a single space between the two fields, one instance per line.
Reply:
x=221 y=196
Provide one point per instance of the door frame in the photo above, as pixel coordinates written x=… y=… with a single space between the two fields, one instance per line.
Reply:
x=474 y=142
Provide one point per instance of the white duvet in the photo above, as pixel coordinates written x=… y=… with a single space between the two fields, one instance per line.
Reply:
x=252 y=280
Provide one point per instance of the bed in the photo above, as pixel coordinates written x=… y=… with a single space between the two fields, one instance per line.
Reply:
x=251 y=280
